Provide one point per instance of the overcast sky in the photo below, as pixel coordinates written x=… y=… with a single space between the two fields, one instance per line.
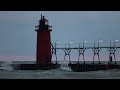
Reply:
x=18 y=36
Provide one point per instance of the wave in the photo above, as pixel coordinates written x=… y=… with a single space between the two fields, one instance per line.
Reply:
x=6 y=66
x=64 y=66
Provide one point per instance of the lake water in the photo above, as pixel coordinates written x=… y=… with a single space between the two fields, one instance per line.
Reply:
x=64 y=72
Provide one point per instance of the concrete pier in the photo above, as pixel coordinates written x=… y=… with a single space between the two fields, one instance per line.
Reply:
x=35 y=66
x=92 y=67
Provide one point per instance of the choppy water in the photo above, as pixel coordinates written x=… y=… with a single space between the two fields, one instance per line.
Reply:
x=64 y=72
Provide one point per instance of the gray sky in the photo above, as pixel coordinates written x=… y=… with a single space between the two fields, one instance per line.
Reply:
x=18 y=36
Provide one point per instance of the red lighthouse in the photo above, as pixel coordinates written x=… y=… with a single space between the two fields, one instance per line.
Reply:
x=43 y=51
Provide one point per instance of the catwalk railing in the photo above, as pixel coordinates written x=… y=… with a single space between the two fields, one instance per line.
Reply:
x=81 y=48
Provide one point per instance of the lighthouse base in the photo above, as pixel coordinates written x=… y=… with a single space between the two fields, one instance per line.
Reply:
x=92 y=67
x=35 y=66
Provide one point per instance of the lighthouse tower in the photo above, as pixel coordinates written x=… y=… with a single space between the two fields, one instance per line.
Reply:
x=43 y=51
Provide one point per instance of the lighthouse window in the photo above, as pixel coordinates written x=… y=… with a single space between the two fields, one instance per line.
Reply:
x=46 y=23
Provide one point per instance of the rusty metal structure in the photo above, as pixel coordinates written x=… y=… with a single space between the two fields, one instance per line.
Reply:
x=81 y=50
